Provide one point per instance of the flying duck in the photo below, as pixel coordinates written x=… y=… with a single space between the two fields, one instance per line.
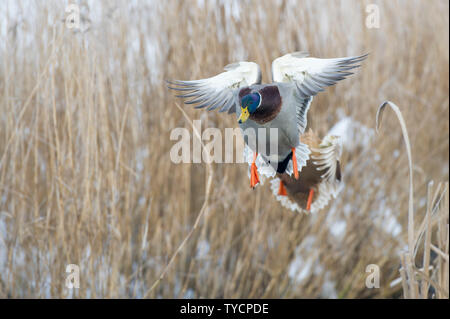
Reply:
x=279 y=107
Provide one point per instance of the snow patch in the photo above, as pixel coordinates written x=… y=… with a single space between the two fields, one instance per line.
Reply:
x=202 y=249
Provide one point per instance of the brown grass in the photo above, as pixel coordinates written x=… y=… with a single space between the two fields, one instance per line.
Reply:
x=86 y=177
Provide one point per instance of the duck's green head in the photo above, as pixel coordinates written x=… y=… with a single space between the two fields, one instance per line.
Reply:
x=249 y=104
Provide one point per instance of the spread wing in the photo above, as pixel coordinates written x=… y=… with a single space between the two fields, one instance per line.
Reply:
x=328 y=155
x=218 y=91
x=311 y=76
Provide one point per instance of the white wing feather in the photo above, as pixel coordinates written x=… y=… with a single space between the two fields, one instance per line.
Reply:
x=219 y=91
x=284 y=200
x=330 y=151
x=310 y=76
x=297 y=67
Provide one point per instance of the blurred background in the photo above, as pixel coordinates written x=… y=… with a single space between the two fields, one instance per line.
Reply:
x=86 y=176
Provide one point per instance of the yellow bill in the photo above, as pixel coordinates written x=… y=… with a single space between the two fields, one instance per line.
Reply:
x=244 y=115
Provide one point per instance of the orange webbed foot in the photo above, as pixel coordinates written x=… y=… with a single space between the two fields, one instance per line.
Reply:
x=254 y=179
x=294 y=162
x=282 y=189
x=310 y=197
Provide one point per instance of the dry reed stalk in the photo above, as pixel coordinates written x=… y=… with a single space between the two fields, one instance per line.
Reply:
x=399 y=115
x=202 y=210
x=412 y=287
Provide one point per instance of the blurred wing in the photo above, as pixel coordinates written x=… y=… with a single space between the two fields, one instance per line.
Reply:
x=326 y=157
x=310 y=76
x=285 y=201
x=219 y=91
x=326 y=191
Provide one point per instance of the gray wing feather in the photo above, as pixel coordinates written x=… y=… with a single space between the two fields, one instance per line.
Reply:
x=202 y=96
x=218 y=92
x=303 y=104
x=311 y=76
x=336 y=71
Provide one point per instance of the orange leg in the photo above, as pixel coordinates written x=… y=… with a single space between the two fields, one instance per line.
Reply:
x=294 y=162
x=310 y=197
x=282 y=189
x=254 y=179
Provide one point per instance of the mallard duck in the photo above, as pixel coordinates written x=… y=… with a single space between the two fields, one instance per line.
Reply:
x=319 y=180
x=281 y=105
